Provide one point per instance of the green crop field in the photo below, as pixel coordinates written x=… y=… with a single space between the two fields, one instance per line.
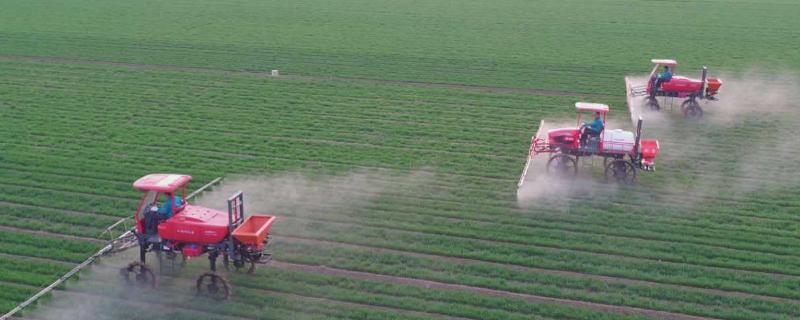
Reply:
x=390 y=147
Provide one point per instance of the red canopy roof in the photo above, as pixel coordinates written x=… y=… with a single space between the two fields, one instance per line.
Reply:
x=161 y=182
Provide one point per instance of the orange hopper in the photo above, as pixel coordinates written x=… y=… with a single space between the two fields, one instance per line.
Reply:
x=254 y=229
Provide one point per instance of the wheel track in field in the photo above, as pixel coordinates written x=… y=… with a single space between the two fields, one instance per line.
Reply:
x=142 y=305
x=483 y=291
x=494 y=178
x=546 y=246
x=39 y=259
x=310 y=140
x=493 y=292
x=352 y=304
x=573 y=274
x=625 y=236
x=50 y=234
x=569 y=230
x=489 y=220
x=674 y=198
x=624 y=203
x=407 y=83
x=552 y=247
x=599 y=277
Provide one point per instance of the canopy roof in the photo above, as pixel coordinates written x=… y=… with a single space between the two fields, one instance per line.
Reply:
x=592 y=107
x=161 y=182
x=668 y=62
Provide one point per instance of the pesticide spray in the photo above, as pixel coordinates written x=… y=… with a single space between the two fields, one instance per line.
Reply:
x=743 y=144
x=537 y=185
x=102 y=294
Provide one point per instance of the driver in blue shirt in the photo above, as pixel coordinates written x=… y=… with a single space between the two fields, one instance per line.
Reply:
x=592 y=129
x=665 y=76
x=168 y=209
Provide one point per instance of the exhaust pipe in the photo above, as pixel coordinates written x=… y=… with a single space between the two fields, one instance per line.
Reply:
x=637 y=147
x=703 y=77
x=638 y=134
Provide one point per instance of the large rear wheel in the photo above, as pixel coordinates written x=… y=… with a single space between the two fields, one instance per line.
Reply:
x=562 y=166
x=620 y=171
x=213 y=286
x=691 y=109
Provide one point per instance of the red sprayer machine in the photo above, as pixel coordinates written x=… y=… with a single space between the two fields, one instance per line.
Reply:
x=168 y=226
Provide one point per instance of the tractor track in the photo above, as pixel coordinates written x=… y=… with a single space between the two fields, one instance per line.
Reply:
x=770 y=273
x=483 y=291
x=62 y=210
x=150 y=304
x=573 y=274
x=50 y=234
x=224 y=72
x=437 y=200
x=388 y=309
x=39 y=259
x=626 y=237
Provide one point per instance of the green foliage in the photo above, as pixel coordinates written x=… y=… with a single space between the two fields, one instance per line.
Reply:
x=689 y=238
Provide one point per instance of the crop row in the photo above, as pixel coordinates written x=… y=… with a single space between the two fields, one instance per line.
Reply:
x=445 y=207
x=636 y=295
x=273 y=282
x=543 y=257
x=388 y=208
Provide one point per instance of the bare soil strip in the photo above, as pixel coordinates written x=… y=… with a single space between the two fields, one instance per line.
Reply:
x=150 y=305
x=464 y=261
x=357 y=305
x=433 y=85
x=484 y=291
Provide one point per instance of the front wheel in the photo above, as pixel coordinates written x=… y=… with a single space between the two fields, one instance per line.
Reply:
x=652 y=104
x=213 y=286
x=562 y=166
x=621 y=171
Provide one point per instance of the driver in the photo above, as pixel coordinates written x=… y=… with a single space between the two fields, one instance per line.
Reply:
x=592 y=129
x=168 y=209
x=665 y=76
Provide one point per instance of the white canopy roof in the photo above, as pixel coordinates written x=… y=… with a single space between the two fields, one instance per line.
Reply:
x=593 y=107
x=669 y=62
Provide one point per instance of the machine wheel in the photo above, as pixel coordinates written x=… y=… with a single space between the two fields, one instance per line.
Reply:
x=652 y=104
x=213 y=286
x=607 y=160
x=691 y=109
x=620 y=171
x=138 y=273
x=562 y=166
